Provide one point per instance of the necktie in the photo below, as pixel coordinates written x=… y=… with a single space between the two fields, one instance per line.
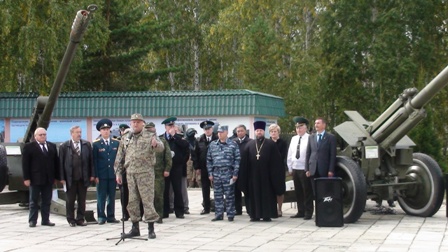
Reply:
x=44 y=149
x=298 y=149
x=77 y=149
x=107 y=142
x=320 y=138
x=208 y=139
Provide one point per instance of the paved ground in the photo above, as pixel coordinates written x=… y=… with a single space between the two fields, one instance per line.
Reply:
x=373 y=232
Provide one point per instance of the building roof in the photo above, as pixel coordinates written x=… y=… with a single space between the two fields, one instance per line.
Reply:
x=157 y=104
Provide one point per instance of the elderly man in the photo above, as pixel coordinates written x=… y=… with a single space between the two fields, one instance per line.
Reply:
x=137 y=155
x=223 y=161
x=76 y=164
x=40 y=165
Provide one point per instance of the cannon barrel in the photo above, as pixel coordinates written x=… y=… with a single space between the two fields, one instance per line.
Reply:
x=45 y=105
x=406 y=112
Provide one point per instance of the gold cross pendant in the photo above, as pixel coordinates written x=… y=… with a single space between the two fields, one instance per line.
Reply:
x=258 y=156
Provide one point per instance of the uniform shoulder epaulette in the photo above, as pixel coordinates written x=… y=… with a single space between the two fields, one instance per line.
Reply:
x=96 y=140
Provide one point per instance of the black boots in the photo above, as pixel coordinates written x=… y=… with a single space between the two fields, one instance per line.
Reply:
x=135 y=231
x=151 y=234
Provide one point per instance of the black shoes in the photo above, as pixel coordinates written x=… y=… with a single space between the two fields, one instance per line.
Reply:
x=267 y=219
x=205 y=212
x=254 y=219
x=101 y=222
x=239 y=213
x=297 y=216
x=230 y=218
x=32 y=224
x=72 y=224
x=81 y=223
x=186 y=211
x=307 y=218
x=135 y=231
x=217 y=219
x=113 y=221
x=160 y=221
x=50 y=224
x=151 y=234
x=180 y=216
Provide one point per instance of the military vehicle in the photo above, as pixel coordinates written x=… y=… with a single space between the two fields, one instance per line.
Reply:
x=10 y=153
x=376 y=160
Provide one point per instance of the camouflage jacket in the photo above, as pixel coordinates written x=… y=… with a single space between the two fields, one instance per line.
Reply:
x=164 y=158
x=223 y=155
x=135 y=154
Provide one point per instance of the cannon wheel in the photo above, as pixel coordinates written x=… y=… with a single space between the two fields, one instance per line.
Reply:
x=426 y=197
x=3 y=168
x=354 y=189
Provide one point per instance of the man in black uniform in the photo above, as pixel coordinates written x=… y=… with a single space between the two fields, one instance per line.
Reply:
x=201 y=164
x=179 y=147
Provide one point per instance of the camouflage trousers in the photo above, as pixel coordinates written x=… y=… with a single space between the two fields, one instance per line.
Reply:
x=141 y=188
x=193 y=179
x=221 y=188
x=159 y=186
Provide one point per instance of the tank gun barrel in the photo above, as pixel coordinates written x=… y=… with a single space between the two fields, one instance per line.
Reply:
x=406 y=112
x=43 y=112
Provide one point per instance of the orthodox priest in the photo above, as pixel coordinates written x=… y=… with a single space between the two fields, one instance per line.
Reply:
x=261 y=175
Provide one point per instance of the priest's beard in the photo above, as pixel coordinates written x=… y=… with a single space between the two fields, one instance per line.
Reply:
x=260 y=139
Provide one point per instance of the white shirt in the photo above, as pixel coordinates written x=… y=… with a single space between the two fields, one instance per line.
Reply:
x=292 y=161
x=79 y=144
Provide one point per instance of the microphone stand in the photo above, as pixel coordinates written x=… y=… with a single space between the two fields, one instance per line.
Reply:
x=123 y=234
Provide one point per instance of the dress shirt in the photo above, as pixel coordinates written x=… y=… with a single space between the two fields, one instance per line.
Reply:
x=292 y=162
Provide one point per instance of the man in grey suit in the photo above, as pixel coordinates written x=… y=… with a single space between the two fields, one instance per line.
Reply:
x=321 y=153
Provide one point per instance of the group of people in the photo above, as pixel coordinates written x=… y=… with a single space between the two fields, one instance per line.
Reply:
x=150 y=171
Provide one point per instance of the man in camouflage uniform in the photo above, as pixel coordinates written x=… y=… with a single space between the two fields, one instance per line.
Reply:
x=223 y=162
x=162 y=170
x=137 y=155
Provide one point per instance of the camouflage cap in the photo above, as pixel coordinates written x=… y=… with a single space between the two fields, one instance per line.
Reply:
x=222 y=128
x=137 y=117
x=150 y=125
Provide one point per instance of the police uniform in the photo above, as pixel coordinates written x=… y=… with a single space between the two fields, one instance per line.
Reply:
x=223 y=161
x=139 y=160
x=103 y=160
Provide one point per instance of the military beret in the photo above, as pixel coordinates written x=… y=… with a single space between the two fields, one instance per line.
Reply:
x=169 y=120
x=150 y=125
x=206 y=124
x=222 y=128
x=123 y=126
x=260 y=125
x=300 y=120
x=137 y=117
x=103 y=123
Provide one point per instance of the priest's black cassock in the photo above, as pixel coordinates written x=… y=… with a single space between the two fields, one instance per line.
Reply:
x=262 y=179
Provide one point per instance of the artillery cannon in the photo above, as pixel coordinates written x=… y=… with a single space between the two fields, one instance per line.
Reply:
x=377 y=161
x=10 y=153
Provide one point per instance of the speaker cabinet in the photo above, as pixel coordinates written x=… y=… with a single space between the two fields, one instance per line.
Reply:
x=329 y=212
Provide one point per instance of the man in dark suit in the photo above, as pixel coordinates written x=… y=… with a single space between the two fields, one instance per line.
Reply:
x=200 y=166
x=40 y=165
x=241 y=139
x=104 y=152
x=181 y=151
x=76 y=164
x=321 y=153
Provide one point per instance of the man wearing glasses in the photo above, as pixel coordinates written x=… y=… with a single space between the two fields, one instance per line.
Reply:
x=40 y=164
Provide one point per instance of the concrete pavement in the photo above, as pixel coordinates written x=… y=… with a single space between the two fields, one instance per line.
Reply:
x=373 y=232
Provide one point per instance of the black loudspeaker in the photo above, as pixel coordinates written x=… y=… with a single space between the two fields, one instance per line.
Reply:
x=329 y=212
